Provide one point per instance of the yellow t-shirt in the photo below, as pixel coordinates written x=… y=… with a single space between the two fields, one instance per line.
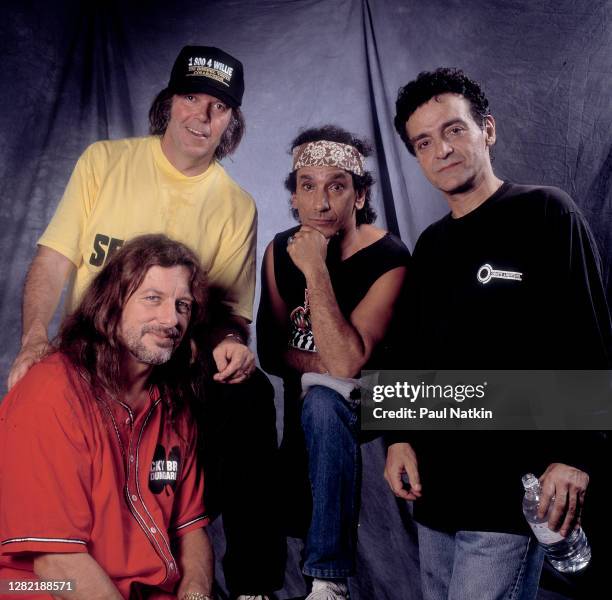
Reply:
x=123 y=188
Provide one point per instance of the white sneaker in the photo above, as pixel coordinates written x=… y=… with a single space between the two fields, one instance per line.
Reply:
x=324 y=589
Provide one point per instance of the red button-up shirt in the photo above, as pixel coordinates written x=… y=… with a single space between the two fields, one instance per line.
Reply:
x=82 y=475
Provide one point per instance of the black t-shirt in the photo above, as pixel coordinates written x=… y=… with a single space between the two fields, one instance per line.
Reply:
x=514 y=284
x=547 y=311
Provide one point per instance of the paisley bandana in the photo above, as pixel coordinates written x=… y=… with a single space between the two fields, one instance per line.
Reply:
x=328 y=154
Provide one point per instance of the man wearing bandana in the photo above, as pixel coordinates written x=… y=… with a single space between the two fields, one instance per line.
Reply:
x=329 y=288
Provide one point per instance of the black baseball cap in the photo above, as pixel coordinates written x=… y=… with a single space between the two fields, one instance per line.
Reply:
x=208 y=70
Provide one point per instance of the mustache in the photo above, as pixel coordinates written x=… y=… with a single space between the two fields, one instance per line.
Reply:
x=169 y=332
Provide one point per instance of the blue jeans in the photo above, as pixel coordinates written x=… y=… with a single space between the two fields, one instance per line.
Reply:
x=466 y=565
x=331 y=432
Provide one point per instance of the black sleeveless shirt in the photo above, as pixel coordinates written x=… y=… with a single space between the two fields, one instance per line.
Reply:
x=351 y=280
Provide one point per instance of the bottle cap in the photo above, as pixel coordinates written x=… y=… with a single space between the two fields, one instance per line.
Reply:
x=530 y=481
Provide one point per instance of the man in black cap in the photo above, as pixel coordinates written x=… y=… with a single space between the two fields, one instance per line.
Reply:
x=171 y=182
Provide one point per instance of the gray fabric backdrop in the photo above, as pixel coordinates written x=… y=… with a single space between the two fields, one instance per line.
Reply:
x=75 y=72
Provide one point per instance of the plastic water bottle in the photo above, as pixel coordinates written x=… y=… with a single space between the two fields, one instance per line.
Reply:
x=566 y=554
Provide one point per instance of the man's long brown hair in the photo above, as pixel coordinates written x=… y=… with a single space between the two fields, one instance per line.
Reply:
x=89 y=337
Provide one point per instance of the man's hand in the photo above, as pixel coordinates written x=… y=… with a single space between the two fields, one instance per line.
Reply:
x=567 y=485
x=402 y=459
x=308 y=249
x=31 y=352
x=235 y=362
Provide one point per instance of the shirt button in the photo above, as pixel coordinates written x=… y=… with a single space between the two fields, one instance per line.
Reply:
x=131 y=458
x=134 y=497
x=127 y=421
x=171 y=566
x=153 y=530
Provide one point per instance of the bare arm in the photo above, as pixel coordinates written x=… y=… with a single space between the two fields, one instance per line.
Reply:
x=272 y=331
x=304 y=362
x=90 y=581
x=43 y=288
x=196 y=561
x=344 y=345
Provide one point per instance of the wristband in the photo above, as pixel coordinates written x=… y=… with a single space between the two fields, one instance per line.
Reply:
x=195 y=596
x=236 y=337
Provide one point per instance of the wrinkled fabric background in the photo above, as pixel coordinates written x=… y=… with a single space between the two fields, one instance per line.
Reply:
x=74 y=72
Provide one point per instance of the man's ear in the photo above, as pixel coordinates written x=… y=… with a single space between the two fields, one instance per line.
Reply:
x=360 y=201
x=293 y=201
x=489 y=129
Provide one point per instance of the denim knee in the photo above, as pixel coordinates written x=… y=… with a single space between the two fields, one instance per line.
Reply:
x=324 y=408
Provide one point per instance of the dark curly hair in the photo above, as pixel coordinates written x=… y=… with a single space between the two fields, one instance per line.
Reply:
x=362 y=183
x=159 y=117
x=432 y=83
